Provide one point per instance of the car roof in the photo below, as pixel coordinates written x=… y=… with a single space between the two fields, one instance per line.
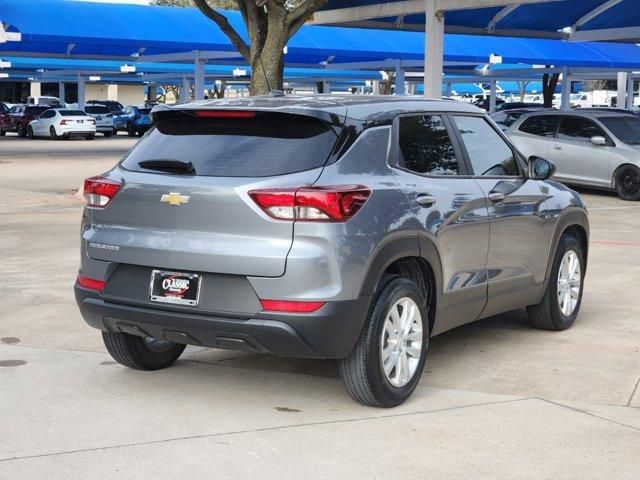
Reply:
x=377 y=108
x=580 y=113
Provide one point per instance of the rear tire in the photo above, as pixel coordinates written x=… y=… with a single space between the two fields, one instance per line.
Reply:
x=382 y=345
x=628 y=183
x=30 y=134
x=2 y=132
x=53 y=133
x=22 y=132
x=90 y=137
x=548 y=314
x=141 y=353
x=107 y=134
x=130 y=130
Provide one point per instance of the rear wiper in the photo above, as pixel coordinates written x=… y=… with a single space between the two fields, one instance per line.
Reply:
x=169 y=166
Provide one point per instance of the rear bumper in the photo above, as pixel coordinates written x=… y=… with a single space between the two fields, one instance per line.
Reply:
x=331 y=332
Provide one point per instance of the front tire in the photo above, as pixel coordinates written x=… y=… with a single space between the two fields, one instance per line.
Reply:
x=386 y=363
x=141 y=353
x=22 y=132
x=53 y=133
x=560 y=305
x=628 y=183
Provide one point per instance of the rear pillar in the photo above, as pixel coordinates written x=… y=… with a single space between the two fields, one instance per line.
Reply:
x=433 y=50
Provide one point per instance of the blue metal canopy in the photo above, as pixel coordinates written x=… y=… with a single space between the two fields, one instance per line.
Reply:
x=574 y=19
x=83 y=30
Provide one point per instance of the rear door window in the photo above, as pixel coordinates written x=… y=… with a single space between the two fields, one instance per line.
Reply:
x=250 y=144
x=540 y=125
x=579 y=129
x=426 y=147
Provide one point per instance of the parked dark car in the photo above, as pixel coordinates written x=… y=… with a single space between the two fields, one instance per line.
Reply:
x=5 y=118
x=516 y=105
x=352 y=228
x=483 y=103
x=19 y=118
x=113 y=106
x=133 y=120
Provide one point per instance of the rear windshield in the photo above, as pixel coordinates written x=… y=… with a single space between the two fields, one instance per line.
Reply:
x=262 y=145
x=95 y=109
x=626 y=128
x=72 y=113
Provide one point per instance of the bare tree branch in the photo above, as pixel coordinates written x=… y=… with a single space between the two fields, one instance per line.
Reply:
x=299 y=15
x=225 y=26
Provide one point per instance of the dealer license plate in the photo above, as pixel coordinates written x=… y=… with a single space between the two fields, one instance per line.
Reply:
x=178 y=288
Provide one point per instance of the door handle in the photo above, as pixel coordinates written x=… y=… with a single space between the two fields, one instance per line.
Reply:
x=557 y=147
x=496 y=197
x=425 y=200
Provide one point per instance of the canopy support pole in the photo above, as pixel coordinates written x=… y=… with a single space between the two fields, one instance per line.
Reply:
x=35 y=89
x=400 y=84
x=433 y=49
x=565 y=103
x=152 y=94
x=185 y=95
x=199 y=78
x=448 y=90
x=492 y=97
x=61 y=91
x=81 y=92
x=622 y=89
x=630 y=92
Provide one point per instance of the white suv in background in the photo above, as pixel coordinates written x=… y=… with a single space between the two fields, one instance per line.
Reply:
x=103 y=118
x=595 y=149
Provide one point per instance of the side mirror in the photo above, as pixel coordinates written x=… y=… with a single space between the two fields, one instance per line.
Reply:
x=598 y=140
x=540 y=169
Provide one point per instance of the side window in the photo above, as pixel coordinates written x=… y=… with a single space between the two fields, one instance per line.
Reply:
x=426 y=147
x=541 y=125
x=500 y=118
x=579 y=129
x=48 y=114
x=488 y=153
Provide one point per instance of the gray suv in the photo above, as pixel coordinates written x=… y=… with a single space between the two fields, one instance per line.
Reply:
x=325 y=227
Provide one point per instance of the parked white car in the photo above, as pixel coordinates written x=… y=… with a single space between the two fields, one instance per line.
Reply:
x=103 y=118
x=62 y=123
x=596 y=149
x=581 y=100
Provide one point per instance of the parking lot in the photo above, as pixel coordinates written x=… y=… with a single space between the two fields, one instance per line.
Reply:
x=496 y=396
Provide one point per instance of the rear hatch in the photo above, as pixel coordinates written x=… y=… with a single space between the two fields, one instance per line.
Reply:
x=184 y=201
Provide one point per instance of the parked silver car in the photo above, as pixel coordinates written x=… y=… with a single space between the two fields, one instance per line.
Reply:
x=592 y=148
x=353 y=228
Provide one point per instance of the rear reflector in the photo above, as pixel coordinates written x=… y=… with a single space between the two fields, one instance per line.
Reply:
x=99 y=191
x=290 y=307
x=225 y=114
x=91 y=283
x=312 y=204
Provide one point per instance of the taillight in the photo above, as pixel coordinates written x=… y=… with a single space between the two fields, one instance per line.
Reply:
x=64 y=122
x=312 y=204
x=287 y=306
x=91 y=283
x=92 y=122
x=99 y=191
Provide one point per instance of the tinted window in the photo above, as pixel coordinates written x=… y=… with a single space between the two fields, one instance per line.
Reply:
x=144 y=111
x=96 y=109
x=35 y=110
x=488 y=153
x=72 y=113
x=3 y=108
x=627 y=129
x=264 y=145
x=48 y=114
x=541 y=125
x=426 y=147
x=500 y=118
x=579 y=129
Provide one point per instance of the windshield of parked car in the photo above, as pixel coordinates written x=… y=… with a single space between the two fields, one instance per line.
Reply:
x=144 y=111
x=72 y=113
x=625 y=128
x=96 y=109
x=35 y=110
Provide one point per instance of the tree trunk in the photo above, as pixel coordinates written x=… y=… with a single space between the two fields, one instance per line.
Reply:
x=549 y=84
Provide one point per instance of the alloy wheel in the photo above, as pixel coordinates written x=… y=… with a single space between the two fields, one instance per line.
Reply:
x=569 y=283
x=401 y=342
x=630 y=182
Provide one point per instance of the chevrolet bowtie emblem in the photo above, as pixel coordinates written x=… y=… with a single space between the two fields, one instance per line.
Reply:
x=174 y=199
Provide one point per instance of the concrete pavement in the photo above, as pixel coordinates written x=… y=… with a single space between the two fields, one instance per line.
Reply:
x=497 y=398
